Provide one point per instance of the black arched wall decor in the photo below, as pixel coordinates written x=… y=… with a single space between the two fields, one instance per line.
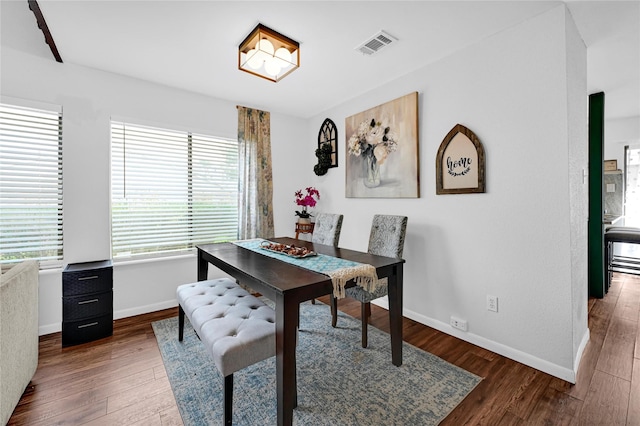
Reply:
x=328 y=134
x=460 y=167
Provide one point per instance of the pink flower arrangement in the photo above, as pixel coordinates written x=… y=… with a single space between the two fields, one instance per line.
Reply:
x=308 y=199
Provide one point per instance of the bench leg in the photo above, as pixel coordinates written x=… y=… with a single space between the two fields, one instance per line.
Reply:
x=228 y=399
x=180 y=323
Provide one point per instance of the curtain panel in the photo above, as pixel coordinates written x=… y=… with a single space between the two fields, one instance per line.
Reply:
x=256 y=179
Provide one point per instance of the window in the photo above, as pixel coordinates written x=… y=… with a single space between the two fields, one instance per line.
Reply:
x=30 y=185
x=170 y=190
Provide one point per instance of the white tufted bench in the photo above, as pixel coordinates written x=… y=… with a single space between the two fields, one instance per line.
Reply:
x=236 y=328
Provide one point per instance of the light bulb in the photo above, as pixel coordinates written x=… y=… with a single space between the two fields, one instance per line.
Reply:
x=255 y=59
x=272 y=67
x=265 y=46
x=283 y=54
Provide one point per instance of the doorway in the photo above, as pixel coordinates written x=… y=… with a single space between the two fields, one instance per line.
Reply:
x=631 y=204
x=632 y=186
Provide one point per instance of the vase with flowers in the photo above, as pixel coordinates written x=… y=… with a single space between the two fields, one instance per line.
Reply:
x=373 y=141
x=308 y=198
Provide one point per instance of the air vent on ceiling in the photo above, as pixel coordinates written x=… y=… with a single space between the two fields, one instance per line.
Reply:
x=376 y=43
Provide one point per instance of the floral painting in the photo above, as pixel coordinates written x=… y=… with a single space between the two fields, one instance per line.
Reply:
x=382 y=151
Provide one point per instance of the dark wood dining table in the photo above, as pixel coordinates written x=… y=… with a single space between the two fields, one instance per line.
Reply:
x=288 y=285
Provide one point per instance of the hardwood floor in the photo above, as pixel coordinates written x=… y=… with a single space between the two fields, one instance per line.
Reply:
x=121 y=380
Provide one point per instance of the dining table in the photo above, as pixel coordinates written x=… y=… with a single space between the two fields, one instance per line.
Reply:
x=288 y=285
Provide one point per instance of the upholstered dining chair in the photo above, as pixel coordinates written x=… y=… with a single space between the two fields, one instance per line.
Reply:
x=386 y=239
x=327 y=229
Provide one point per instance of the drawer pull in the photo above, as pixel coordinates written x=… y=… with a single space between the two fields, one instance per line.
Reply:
x=92 y=277
x=84 y=302
x=91 y=324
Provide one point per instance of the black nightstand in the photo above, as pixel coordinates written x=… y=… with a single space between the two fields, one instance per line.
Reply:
x=87 y=302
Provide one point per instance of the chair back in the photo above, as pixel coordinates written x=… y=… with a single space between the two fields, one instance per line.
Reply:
x=387 y=235
x=327 y=229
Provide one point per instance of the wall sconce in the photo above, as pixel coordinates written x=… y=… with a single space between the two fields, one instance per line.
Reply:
x=268 y=54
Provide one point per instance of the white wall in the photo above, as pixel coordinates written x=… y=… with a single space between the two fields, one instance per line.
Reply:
x=618 y=134
x=578 y=158
x=524 y=240
x=89 y=99
x=523 y=92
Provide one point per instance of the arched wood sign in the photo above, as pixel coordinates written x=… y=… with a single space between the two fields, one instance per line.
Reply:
x=460 y=163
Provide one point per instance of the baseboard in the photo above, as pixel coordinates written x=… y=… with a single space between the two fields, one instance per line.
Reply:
x=139 y=310
x=49 y=329
x=507 y=351
x=581 y=348
x=123 y=313
x=511 y=353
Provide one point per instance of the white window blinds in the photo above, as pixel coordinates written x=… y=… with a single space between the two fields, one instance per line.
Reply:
x=30 y=185
x=170 y=190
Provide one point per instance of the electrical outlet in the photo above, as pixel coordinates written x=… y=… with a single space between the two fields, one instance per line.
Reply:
x=492 y=303
x=458 y=323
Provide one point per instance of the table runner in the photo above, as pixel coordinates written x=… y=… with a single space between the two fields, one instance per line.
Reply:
x=339 y=270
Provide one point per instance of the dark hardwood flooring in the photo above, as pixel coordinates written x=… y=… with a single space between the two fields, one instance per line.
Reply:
x=121 y=380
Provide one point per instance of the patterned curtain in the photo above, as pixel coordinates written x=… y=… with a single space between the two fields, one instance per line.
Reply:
x=256 y=179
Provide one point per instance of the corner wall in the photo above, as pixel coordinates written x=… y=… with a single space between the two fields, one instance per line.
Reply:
x=578 y=159
x=523 y=92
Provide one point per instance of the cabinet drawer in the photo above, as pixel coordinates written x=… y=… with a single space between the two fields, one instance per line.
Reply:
x=97 y=280
x=79 y=307
x=74 y=332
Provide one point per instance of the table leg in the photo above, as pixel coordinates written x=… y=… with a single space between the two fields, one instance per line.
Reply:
x=287 y=313
x=203 y=267
x=395 y=315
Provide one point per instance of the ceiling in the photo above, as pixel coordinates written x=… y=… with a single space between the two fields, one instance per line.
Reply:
x=192 y=45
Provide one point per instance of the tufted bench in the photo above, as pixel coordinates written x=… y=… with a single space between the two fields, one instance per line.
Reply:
x=236 y=328
x=619 y=234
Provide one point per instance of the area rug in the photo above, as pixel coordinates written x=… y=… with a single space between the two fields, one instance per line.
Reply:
x=339 y=382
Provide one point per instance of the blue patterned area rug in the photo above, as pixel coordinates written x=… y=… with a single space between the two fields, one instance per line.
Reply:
x=339 y=382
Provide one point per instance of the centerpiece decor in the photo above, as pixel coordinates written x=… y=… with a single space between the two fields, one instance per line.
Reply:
x=382 y=150
x=308 y=198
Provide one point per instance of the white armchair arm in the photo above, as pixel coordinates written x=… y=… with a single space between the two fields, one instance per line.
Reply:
x=18 y=333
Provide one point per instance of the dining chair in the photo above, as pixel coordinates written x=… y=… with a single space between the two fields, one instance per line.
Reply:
x=327 y=231
x=386 y=239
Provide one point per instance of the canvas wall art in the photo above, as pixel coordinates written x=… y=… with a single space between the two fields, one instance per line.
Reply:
x=382 y=151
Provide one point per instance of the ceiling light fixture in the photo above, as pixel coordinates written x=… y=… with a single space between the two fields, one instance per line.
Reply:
x=268 y=54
